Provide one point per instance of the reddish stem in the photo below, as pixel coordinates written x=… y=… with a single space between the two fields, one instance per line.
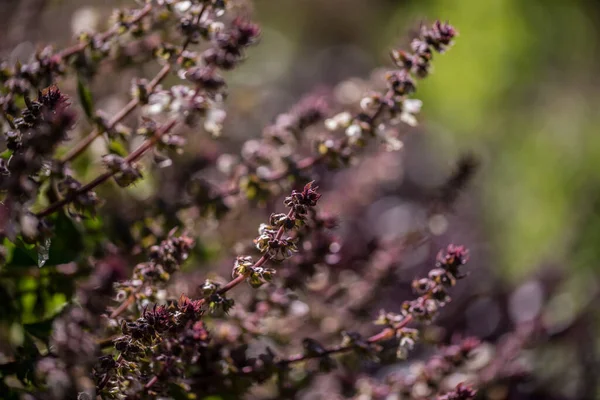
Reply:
x=385 y=334
x=129 y=107
x=137 y=153
x=241 y=278
x=65 y=53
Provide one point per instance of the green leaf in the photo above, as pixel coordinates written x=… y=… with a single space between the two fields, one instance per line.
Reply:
x=9 y=249
x=5 y=155
x=179 y=392
x=67 y=242
x=23 y=254
x=27 y=355
x=64 y=246
x=42 y=329
x=116 y=147
x=85 y=97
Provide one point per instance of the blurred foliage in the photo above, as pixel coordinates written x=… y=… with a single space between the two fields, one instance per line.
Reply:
x=520 y=88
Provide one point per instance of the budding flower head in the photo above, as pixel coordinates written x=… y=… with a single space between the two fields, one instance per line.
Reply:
x=259 y=276
x=242 y=265
x=453 y=259
x=308 y=197
x=461 y=392
x=52 y=98
x=209 y=288
x=407 y=339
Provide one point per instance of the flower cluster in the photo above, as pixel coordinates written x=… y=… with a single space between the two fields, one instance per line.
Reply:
x=257 y=276
x=433 y=289
x=271 y=242
x=433 y=296
x=264 y=163
x=424 y=380
x=461 y=392
x=172 y=334
x=31 y=141
x=270 y=239
x=201 y=71
x=381 y=112
x=148 y=277
x=37 y=131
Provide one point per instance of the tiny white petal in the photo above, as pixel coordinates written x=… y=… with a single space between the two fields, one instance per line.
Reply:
x=393 y=144
x=299 y=309
x=408 y=119
x=216 y=27
x=176 y=106
x=380 y=131
x=344 y=119
x=216 y=115
x=154 y=109
x=213 y=127
x=407 y=343
x=263 y=172
x=354 y=131
x=331 y=124
x=412 y=106
x=366 y=103
x=183 y=6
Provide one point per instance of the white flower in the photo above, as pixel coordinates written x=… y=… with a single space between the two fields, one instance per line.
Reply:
x=214 y=121
x=410 y=107
x=183 y=6
x=85 y=19
x=226 y=163
x=407 y=343
x=391 y=143
x=344 y=119
x=213 y=128
x=157 y=103
x=366 y=103
x=215 y=28
x=331 y=124
x=354 y=132
x=217 y=115
x=341 y=120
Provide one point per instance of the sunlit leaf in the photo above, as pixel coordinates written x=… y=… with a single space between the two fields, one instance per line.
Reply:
x=85 y=97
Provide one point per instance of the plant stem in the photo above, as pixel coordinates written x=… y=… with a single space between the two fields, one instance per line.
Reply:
x=69 y=51
x=129 y=107
x=80 y=147
x=137 y=153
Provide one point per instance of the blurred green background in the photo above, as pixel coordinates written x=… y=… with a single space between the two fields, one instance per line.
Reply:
x=521 y=86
